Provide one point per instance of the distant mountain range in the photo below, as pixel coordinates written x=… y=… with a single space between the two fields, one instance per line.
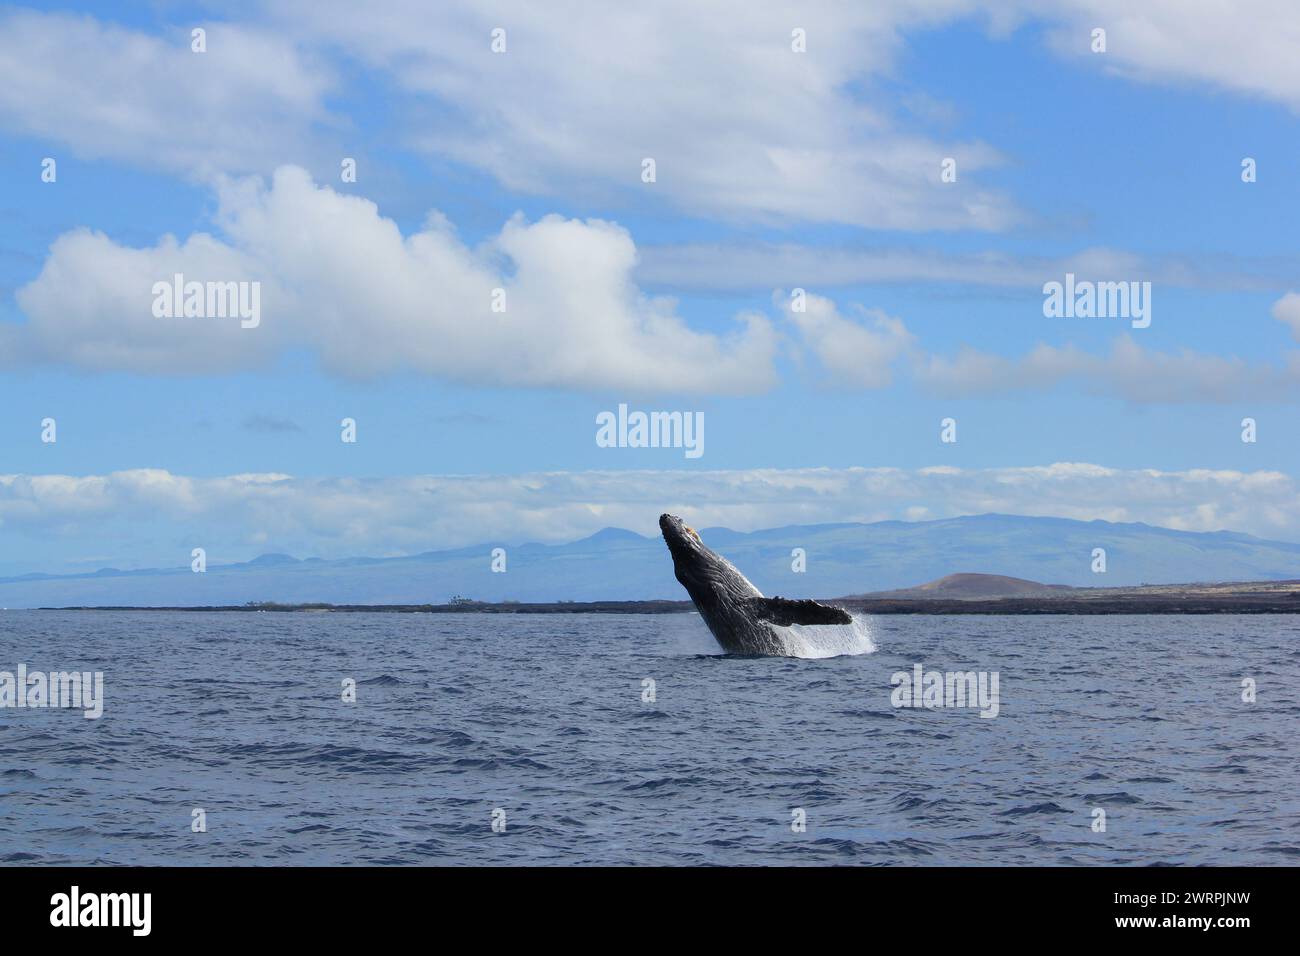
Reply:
x=614 y=564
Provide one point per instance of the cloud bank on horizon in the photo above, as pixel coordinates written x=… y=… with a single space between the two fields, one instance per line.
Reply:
x=238 y=516
x=805 y=221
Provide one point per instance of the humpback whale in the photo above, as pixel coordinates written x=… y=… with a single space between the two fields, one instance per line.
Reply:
x=736 y=612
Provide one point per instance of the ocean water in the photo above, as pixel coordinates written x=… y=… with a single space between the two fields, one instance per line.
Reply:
x=540 y=721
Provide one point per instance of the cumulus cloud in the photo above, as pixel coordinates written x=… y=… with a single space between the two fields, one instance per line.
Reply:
x=851 y=354
x=238 y=516
x=340 y=279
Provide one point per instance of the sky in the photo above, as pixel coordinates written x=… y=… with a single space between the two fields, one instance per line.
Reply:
x=919 y=170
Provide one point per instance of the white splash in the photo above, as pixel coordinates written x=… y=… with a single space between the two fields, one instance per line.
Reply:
x=826 y=640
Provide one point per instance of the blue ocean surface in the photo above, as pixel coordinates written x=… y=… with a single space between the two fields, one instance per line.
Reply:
x=543 y=723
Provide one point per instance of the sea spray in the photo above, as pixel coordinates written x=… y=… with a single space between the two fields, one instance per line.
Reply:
x=814 y=641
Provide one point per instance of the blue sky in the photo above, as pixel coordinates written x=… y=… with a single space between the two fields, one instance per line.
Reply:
x=776 y=170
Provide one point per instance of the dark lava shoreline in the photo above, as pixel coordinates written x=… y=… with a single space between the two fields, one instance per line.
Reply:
x=1163 y=601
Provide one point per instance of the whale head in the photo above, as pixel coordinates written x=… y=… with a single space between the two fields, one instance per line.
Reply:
x=683 y=541
x=698 y=569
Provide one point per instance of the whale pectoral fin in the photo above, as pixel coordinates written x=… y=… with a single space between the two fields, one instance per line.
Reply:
x=783 y=612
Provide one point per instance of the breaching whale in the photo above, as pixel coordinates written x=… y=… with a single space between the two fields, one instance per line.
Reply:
x=736 y=611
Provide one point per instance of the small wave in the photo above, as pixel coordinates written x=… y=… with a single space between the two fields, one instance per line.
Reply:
x=309 y=828
x=672 y=784
x=907 y=803
x=1123 y=796
x=814 y=641
x=1037 y=808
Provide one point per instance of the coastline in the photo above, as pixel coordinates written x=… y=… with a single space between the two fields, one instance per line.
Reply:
x=1137 y=601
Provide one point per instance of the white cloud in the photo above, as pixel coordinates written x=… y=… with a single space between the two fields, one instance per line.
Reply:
x=1287 y=310
x=342 y=280
x=239 y=516
x=868 y=356
x=733 y=267
x=851 y=354
x=740 y=126
x=1246 y=46
x=110 y=92
x=1131 y=372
